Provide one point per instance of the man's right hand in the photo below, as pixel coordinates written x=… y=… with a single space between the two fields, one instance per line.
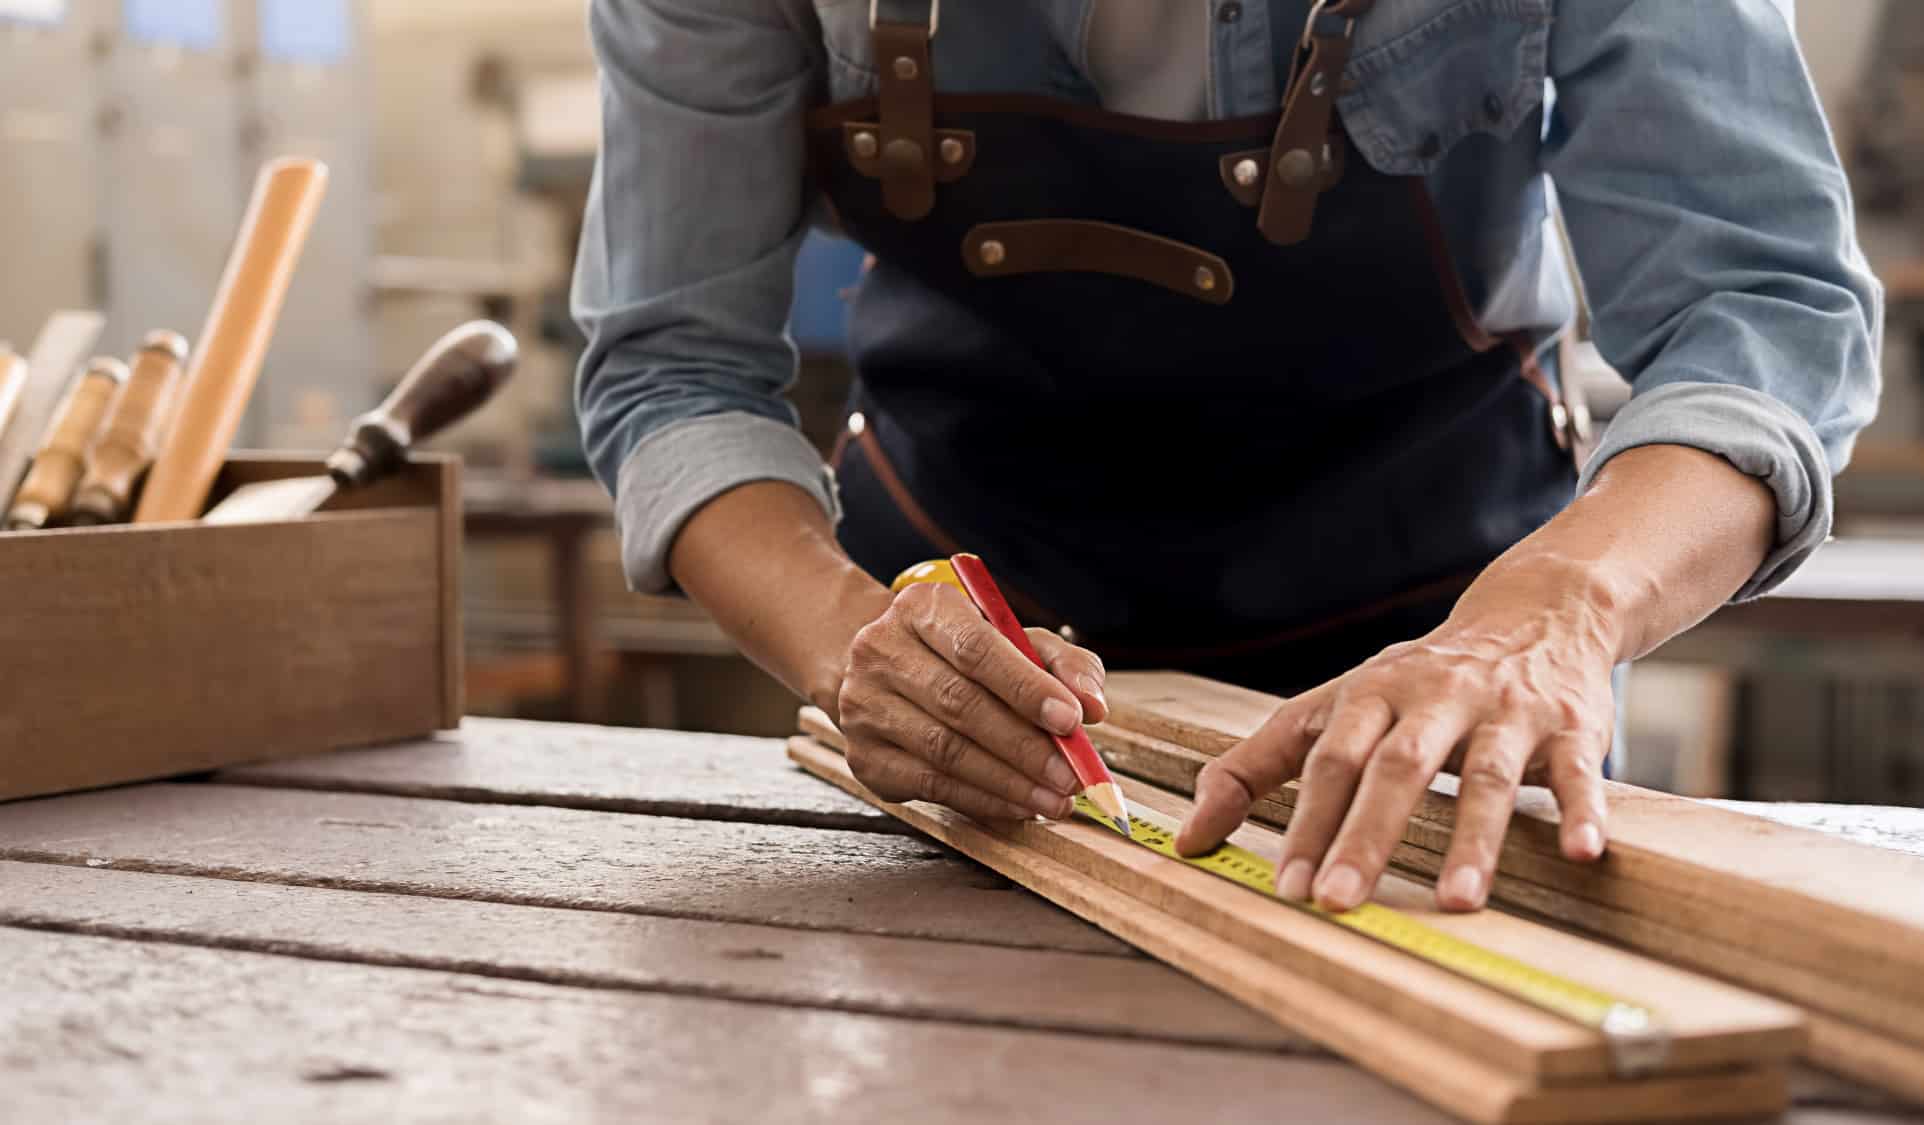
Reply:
x=938 y=706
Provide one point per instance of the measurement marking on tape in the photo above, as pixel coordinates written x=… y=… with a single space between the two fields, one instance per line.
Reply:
x=1637 y=1039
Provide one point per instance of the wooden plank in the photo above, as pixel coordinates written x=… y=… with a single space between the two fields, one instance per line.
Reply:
x=661 y=773
x=1127 y=997
x=1798 y=897
x=805 y=878
x=1702 y=1011
x=96 y=1029
x=1379 y=1037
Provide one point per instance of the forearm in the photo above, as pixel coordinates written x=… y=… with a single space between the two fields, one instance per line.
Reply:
x=1664 y=536
x=763 y=560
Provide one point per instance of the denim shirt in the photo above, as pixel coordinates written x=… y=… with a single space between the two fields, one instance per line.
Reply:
x=1680 y=139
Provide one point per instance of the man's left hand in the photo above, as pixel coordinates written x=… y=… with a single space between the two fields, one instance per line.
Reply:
x=1513 y=687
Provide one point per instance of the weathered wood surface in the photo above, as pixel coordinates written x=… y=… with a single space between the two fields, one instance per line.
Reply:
x=1380 y=1033
x=949 y=981
x=707 y=776
x=774 y=874
x=102 y=1030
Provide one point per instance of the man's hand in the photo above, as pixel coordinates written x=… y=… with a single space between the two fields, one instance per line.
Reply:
x=936 y=705
x=1514 y=687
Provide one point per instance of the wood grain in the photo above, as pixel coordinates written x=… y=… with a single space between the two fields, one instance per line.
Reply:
x=1713 y=1010
x=1798 y=897
x=140 y=652
x=1379 y=1037
x=1095 y=994
x=105 y=1030
x=661 y=773
x=810 y=879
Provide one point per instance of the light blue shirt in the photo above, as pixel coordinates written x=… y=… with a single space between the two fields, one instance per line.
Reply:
x=1681 y=139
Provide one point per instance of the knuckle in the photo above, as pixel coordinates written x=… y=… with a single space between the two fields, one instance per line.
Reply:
x=1400 y=755
x=937 y=787
x=1492 y=772
x=972 y=644
x=942 y=748
x=1328 y=761
x=954 y=696
x=916 y=599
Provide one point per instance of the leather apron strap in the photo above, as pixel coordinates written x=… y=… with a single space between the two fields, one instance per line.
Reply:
x=1300 y=158
x=902 y=31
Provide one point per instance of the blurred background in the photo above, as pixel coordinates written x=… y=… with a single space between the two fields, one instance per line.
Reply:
x=461 y=136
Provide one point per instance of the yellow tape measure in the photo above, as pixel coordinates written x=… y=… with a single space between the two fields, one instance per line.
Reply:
x=1636 y=1038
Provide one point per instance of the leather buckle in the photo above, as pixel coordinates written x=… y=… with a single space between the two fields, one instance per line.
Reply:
x=935 y=15
x=1316 y=12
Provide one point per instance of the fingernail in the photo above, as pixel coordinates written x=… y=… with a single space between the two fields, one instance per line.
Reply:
x=1341 y=888
x=1060 y=717
x=1061 y=775
x=1294 y=885
x=1090 y=686
x=1463 y=887
x=1588 y=841
x=1049 y=803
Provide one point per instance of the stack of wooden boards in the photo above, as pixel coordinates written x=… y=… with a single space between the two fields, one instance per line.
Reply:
x=1832 y=926
x=1475 y=1052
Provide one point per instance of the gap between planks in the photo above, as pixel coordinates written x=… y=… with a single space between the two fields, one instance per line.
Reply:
x=598 y=769
x=803 y=879
x=900 y=978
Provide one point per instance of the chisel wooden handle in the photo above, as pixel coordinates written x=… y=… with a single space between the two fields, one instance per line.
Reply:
x=45 y=494
x=131 y=439
x=232 y=345
x=13 y=380
x=459 y=373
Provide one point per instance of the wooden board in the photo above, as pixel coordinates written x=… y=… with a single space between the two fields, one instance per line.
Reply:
x=805 y=878
x=708 y=776
x=141 y=652
x=141 y=1031
x=1380 y=1037
x=1798 y=897
x=946 y=981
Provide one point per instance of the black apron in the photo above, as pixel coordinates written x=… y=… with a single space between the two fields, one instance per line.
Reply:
x=1208 y=396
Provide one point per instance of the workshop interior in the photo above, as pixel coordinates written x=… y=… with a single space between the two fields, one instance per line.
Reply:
x=347 y=731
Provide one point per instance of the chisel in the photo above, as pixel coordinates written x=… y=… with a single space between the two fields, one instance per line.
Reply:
x=135 y=428
x=45 y=495
x=240 y=326
x=64 y=343
x=13 y=380
x=458 y=374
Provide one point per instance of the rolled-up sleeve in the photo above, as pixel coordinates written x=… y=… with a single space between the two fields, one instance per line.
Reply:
x=1713 y=227
x=685 y=272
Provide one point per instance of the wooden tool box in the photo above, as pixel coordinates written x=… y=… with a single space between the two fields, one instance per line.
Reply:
x=138 y=652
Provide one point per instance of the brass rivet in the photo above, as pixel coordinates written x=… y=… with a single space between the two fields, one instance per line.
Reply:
x=993 y=252
x=1205 y=279
x=866 y=146
x=952 y=152
x=1247 y=172
x=857 y=422
x=1297 y=168
x=905 y=68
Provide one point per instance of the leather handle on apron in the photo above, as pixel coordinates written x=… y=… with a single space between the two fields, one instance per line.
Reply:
x=906 y=156
x=1300 y=156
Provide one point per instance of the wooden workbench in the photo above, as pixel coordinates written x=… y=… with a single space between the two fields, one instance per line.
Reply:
x=529 y=922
